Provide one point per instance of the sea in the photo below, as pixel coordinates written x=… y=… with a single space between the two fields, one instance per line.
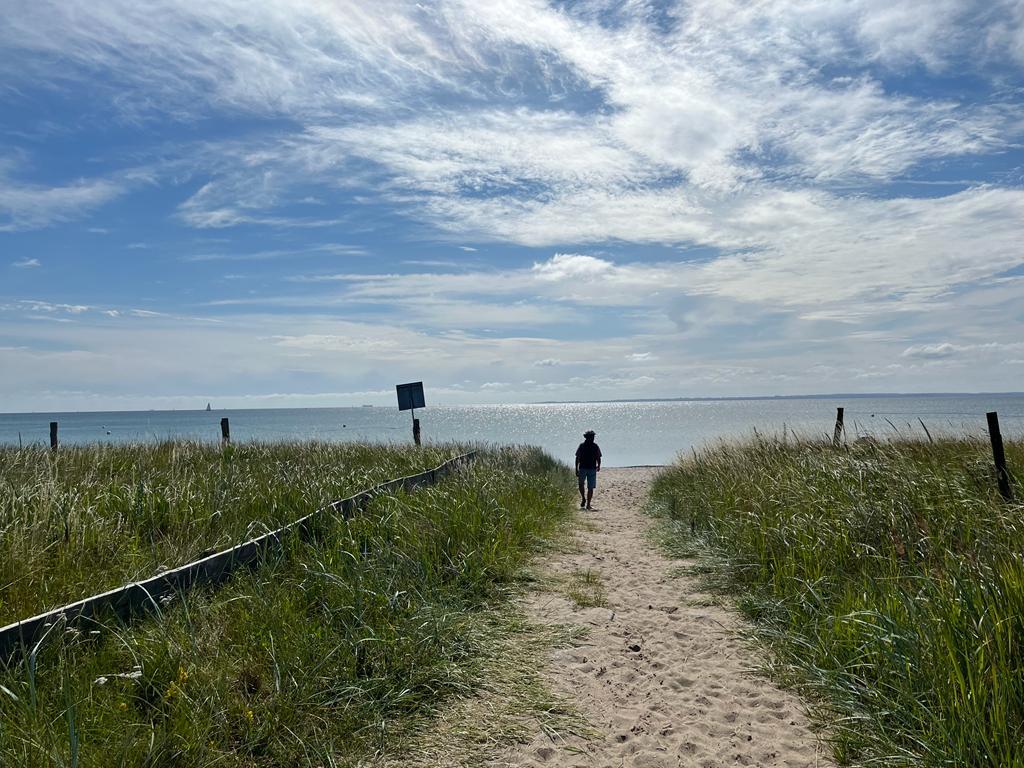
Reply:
x=629 y=433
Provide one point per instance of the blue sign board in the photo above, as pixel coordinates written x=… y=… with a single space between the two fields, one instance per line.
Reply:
x=410 y=396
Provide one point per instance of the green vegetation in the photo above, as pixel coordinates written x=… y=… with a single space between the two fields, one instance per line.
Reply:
x=90 y=518
x=887 y=579
x=510 y=701
x=316 y=658
x=585 y=589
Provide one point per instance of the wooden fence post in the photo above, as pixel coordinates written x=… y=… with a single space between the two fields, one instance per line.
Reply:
x=53 y=435
x=839 y=427
x=416 y=430
x=997 y=454
x=225 y=431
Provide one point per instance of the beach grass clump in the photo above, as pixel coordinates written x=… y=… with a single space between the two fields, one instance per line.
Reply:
x=84 y=519
x=886 y=578
x=585 y=589
x=315 y=658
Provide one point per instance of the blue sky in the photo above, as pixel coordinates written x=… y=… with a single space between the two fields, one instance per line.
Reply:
x=302 y=203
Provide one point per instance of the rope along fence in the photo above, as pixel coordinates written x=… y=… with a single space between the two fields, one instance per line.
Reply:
x=127 y=600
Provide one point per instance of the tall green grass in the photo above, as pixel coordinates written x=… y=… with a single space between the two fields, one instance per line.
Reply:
x=90 y=518
x=313 y=659
x=888 y=579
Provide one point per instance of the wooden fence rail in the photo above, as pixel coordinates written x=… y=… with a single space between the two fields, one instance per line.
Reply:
x=21 y=636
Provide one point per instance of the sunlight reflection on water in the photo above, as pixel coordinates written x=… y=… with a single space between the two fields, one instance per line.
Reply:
x=629 y=433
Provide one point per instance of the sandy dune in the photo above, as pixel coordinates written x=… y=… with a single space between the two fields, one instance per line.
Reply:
x=661 y=675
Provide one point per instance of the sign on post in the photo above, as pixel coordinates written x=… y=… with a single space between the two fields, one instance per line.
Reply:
x=410 y=397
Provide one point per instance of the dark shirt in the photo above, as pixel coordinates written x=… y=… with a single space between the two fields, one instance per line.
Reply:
x=587 y=455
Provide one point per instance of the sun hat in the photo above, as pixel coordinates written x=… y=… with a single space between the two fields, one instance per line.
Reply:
x=589 y=433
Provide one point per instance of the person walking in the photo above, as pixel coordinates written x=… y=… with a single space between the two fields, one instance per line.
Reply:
x=588 y=464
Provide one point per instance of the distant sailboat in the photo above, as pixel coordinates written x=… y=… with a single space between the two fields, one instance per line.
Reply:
x=208 y=407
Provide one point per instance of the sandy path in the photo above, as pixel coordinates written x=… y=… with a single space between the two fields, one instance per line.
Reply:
x=661 y=674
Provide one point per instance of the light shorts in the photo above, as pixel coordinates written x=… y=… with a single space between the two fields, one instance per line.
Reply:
x=590 y=475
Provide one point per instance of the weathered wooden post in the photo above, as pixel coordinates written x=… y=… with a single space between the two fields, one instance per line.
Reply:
x=996 y=438
x=410 y=397
x=839 y=427
x=53 y=435
x=225 y=431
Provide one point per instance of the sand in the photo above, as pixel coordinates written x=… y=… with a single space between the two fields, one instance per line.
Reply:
x=662 y=674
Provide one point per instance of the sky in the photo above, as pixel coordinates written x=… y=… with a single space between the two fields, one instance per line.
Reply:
x=305 y=202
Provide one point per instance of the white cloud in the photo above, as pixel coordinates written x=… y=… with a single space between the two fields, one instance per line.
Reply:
x=817 y=249
x=333 y=249
x=430 y=263
x=26 y=263
x=932 y=351
x=33 y=206
x=730 y=92
x=184 y=57
x=36 y=310
x=569 y=266
x=944 y=350
x=831 y=258
x=48 y=307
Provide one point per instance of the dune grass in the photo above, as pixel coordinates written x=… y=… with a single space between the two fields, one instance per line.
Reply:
x=887 y=580
x=585 y=589
x=313 y=659
x=89 y=518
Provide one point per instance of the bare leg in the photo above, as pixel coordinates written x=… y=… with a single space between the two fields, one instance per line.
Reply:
x=590 y=495
x=582 y=497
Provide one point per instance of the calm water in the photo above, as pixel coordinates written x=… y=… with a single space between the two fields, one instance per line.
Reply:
x=628 y=433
